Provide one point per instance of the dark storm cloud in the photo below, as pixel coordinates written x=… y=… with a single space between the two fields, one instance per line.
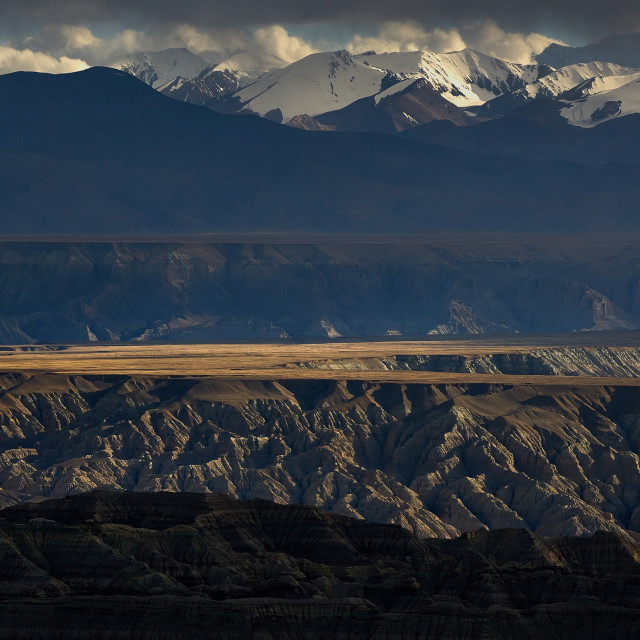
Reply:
x=588 y=16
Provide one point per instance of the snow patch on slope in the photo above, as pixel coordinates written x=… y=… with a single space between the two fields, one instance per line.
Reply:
x=396 y=88
x=604 y=99
x=567 y=78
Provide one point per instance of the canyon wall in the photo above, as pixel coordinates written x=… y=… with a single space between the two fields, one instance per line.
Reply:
x=80 y=292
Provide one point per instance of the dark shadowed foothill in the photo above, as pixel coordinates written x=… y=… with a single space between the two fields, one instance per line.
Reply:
x=178 y=564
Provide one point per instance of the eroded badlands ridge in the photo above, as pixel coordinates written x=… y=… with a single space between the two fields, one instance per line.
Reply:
x=437 y=459
x=206 y=566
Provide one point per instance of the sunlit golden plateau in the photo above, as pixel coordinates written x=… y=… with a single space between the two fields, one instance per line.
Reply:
x=271 y=361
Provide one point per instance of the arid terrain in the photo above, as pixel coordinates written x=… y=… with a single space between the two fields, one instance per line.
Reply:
x=440 y=436
x=265 y=383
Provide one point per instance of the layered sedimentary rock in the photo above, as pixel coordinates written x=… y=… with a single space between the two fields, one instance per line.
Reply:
x=437 y=459
x=201 y=566
x=562 y=361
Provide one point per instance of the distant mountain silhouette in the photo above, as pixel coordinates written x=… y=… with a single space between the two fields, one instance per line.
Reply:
x=101 y=152
x=537 y=130
x=622 y=48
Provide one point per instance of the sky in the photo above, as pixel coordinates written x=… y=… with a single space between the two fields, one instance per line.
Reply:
x=58 y=36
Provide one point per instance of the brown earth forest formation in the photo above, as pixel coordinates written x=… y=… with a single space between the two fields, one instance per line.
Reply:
x=439 y=460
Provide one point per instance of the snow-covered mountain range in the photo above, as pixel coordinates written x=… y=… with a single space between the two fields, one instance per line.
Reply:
x=340 y=90
x=325 y=82
x=554 y=84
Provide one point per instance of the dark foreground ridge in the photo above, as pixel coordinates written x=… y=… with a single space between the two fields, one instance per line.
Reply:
x=137 y=565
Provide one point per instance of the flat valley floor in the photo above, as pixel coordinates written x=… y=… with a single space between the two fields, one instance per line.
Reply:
x=336 y=360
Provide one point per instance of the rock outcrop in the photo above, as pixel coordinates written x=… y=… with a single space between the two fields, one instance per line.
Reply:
x=159 y=566
x=437 y=459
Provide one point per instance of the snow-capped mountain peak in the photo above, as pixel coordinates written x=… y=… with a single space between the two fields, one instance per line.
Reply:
x=157 y=68
x=566 y=78
x=465 y=78
x=244 y=76
x=316 y=84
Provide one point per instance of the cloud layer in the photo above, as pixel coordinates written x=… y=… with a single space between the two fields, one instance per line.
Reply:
x=62 y=48
x=592 y=17
x=485 y=36
x=27 y=60
x=258 y=34
x=266 y=47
